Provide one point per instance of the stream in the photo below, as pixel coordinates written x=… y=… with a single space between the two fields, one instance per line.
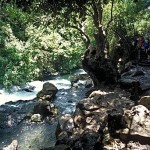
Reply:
x=17 y=103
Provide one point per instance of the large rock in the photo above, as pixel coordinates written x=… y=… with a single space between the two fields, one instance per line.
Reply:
x=86 y=141
x=88 y=104
x=145 y=101
x=65 y=125
x=138 y=125
x=44 y=109
x=136 y=74
x=132 y=125
x=48 y=92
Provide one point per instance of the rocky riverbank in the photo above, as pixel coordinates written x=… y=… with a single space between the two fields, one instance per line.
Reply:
x=109 y=117
x=106 y=119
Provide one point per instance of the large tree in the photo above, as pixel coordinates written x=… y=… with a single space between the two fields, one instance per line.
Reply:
x=73 y=14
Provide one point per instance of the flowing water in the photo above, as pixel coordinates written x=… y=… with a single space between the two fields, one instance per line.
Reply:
x=14 y=106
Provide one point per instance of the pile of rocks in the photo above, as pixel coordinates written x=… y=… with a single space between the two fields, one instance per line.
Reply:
x=105 y=120
x=44 y=107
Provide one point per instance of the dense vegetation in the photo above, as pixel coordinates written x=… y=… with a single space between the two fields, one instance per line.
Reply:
x=43 y=36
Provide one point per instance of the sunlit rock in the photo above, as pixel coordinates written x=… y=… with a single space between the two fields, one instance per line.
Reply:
x=36 y=118
x=88 y=104
x=97 y=93
x=12 y=146
x=90 y=119
x=138 y=122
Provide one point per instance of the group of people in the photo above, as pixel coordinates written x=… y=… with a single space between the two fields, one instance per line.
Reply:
x=142 y=43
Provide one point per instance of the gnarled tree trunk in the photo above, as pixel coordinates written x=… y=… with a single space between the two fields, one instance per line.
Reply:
x=94 y=62
x=99 y=68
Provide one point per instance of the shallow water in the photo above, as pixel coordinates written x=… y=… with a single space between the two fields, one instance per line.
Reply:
x=33 y=136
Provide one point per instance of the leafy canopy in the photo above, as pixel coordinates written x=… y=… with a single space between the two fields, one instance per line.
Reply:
x=38 y=37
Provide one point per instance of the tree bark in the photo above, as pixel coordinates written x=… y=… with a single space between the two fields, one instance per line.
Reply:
x=99 y=69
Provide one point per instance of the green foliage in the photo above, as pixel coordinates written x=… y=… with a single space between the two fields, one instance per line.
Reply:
x=16 y=68
x=56 y=50
x=28 y=45
x=43 y=35
x=17 y=19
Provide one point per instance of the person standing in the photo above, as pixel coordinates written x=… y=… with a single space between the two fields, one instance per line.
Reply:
x=140 y=41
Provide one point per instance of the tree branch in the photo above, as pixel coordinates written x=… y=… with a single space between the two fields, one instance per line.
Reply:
x=100 y=11
x=111 y=16
x=95 y=15
x=87 y=40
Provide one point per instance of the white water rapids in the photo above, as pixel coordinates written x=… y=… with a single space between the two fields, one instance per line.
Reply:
x=17 y=94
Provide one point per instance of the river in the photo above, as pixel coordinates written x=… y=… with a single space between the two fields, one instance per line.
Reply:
x=14 y=106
